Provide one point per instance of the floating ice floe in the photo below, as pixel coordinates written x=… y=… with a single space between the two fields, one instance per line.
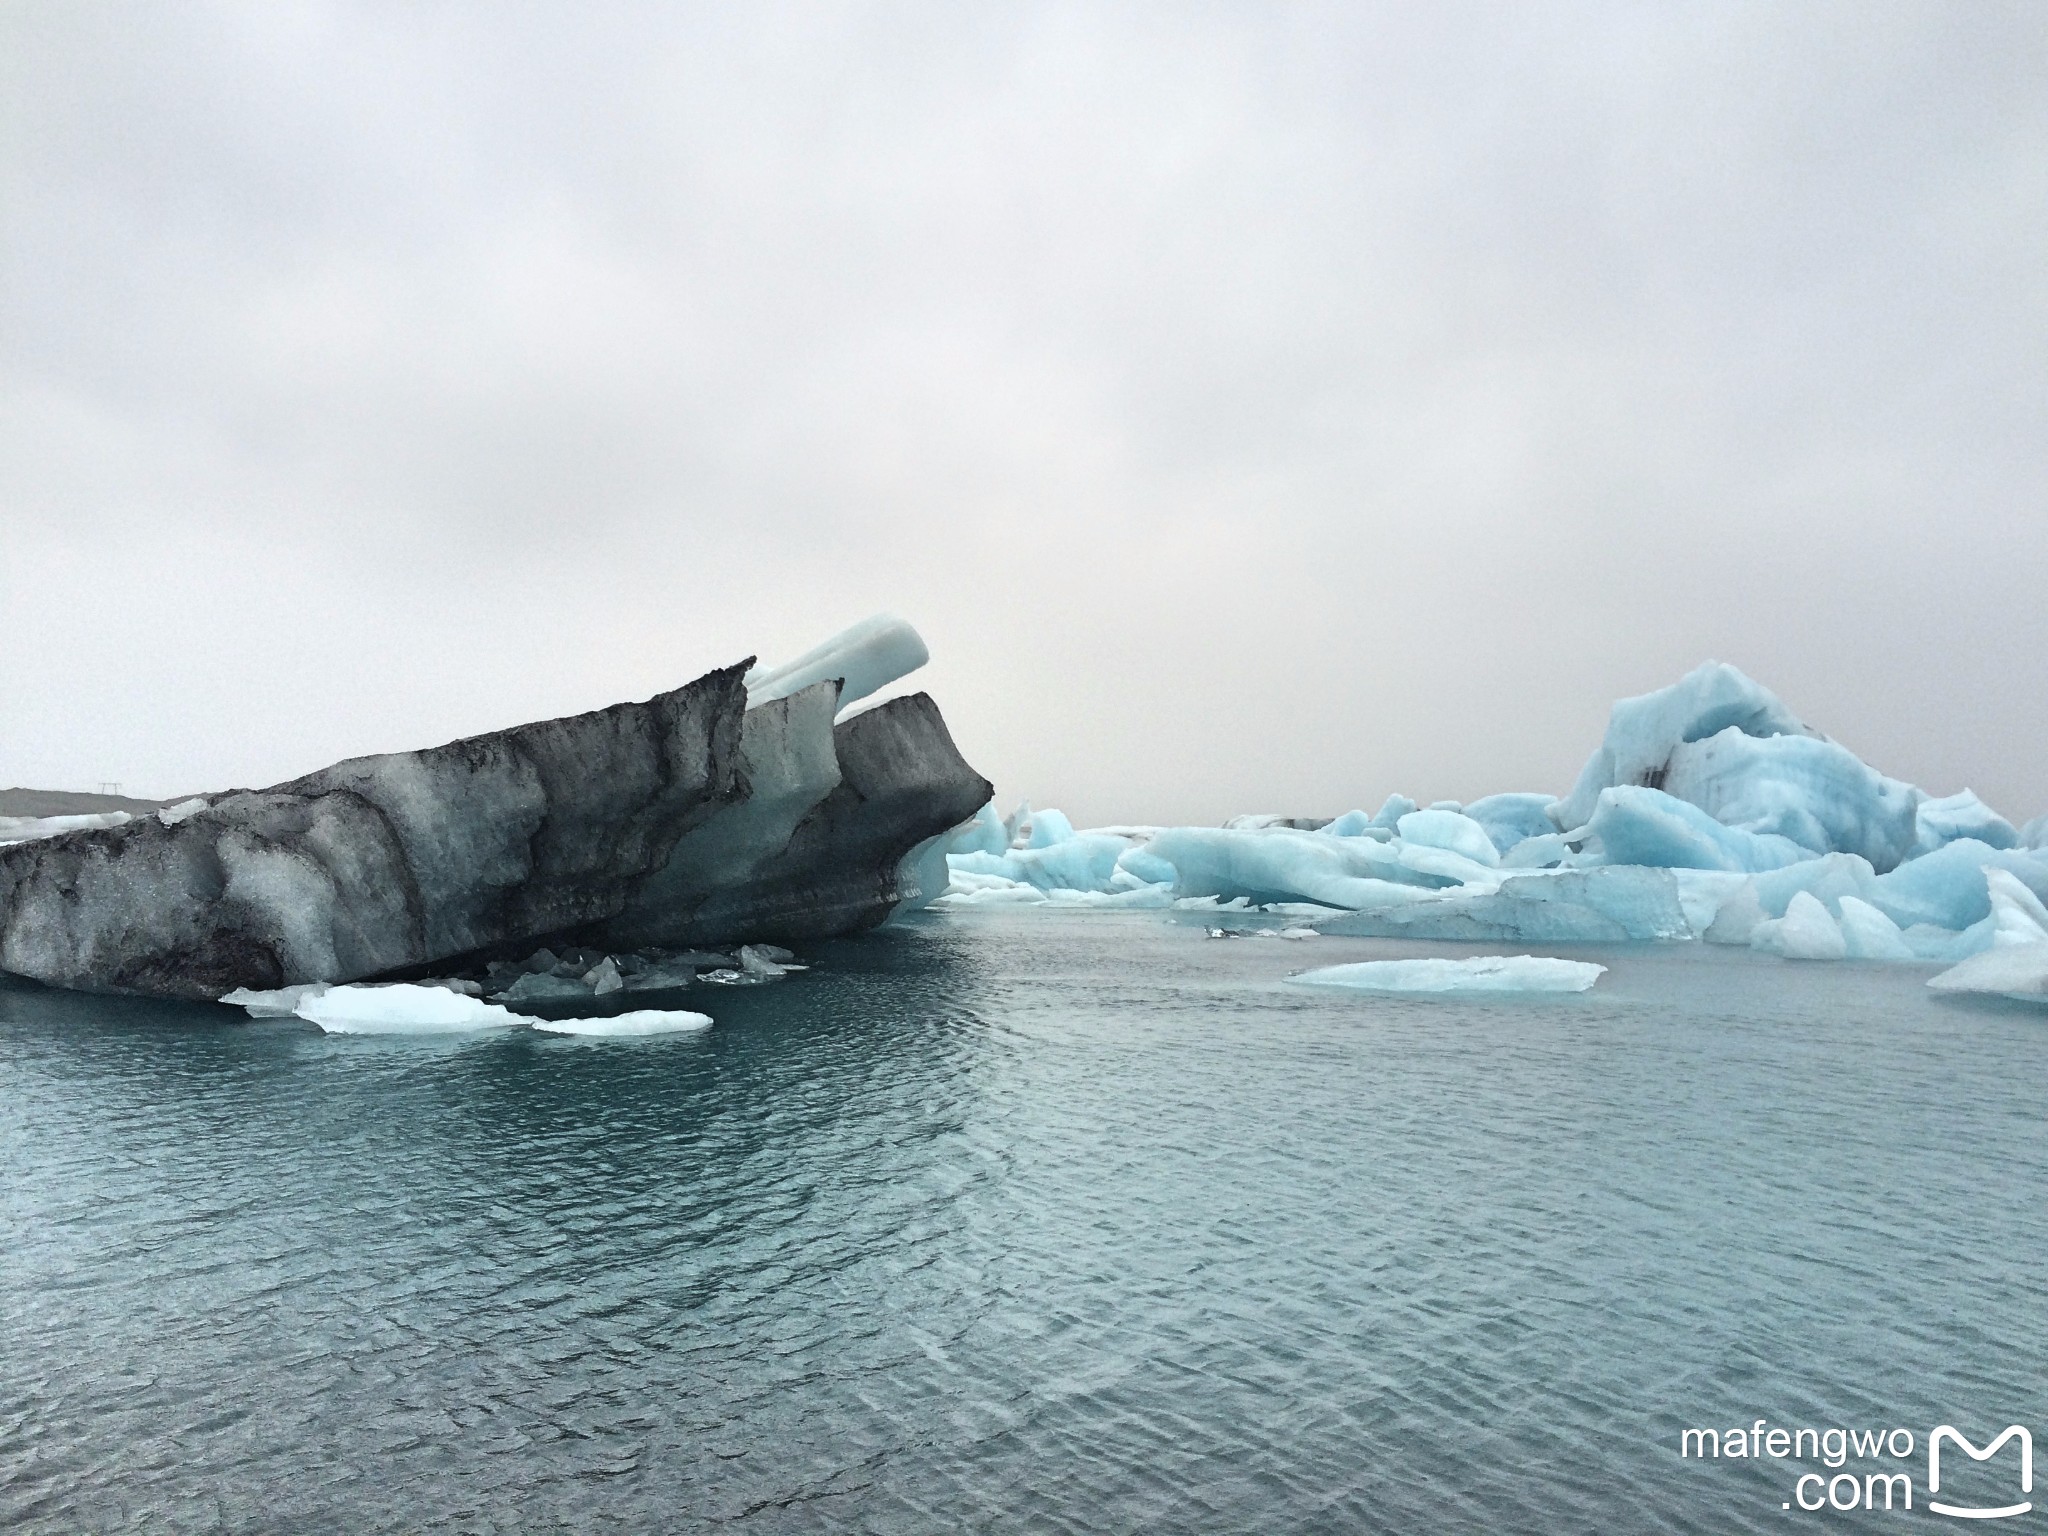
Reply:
x=648 y=1021
x=1708 y=811
x=283 y=1003
x=402 y=1008
x=432 y=1008
x=1481 y=973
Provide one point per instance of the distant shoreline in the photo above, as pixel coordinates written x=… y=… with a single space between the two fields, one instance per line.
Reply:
x=66 y=802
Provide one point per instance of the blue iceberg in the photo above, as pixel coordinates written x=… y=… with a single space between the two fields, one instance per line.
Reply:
x=1709 y=810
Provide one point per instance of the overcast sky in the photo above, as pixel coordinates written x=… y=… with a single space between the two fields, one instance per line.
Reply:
x=1257 y=407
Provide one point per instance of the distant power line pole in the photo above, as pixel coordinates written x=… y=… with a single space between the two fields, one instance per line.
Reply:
x=109 y=788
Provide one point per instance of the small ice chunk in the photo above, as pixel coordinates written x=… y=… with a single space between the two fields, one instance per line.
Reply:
x=648 y=1021
x=1806 y=932
x=1145 y=866
x=1481 y=973
x=280 y=1004
x=1443 y=827
x=1542 y=851
x=184 y=810
x=756 y=961
x=1017 y=825
x=1827 y=879
x=1350 y=824
x=1049 y=828
x=661 y=976
x=2007 y=970
x=1869 y=934
x=1702 y=893
x=1513 y=817
x=403 y=1009
x=1391 y=810
x=604 y=977
x=984 y=834
x=2017 y=914
x=544 y=987
x=1737 y=918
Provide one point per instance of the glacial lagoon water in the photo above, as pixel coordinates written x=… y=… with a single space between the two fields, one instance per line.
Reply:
x=1023 y=1222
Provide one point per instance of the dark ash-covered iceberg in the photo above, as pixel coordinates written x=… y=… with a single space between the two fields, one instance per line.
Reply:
x=692 y=818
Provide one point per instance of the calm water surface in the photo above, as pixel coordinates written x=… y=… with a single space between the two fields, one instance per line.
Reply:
x=1020 y=1222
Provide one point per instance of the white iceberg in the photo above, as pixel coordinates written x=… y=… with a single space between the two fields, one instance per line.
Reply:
x=865 y=658
x=404 y=1008
x=2016 y=963
x=2016 y=971
x=2018 y=915
x=1807 y=931
x=648 y=1021
x=1451 y=830
x=1867 y=934
x=1481 y=973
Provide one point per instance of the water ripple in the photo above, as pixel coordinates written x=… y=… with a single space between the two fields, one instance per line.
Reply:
x=1014 y=1222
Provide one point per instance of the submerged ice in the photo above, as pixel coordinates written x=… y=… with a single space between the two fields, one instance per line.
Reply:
x=1480 y=973
x=1708 y=811
x=628 y=1026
